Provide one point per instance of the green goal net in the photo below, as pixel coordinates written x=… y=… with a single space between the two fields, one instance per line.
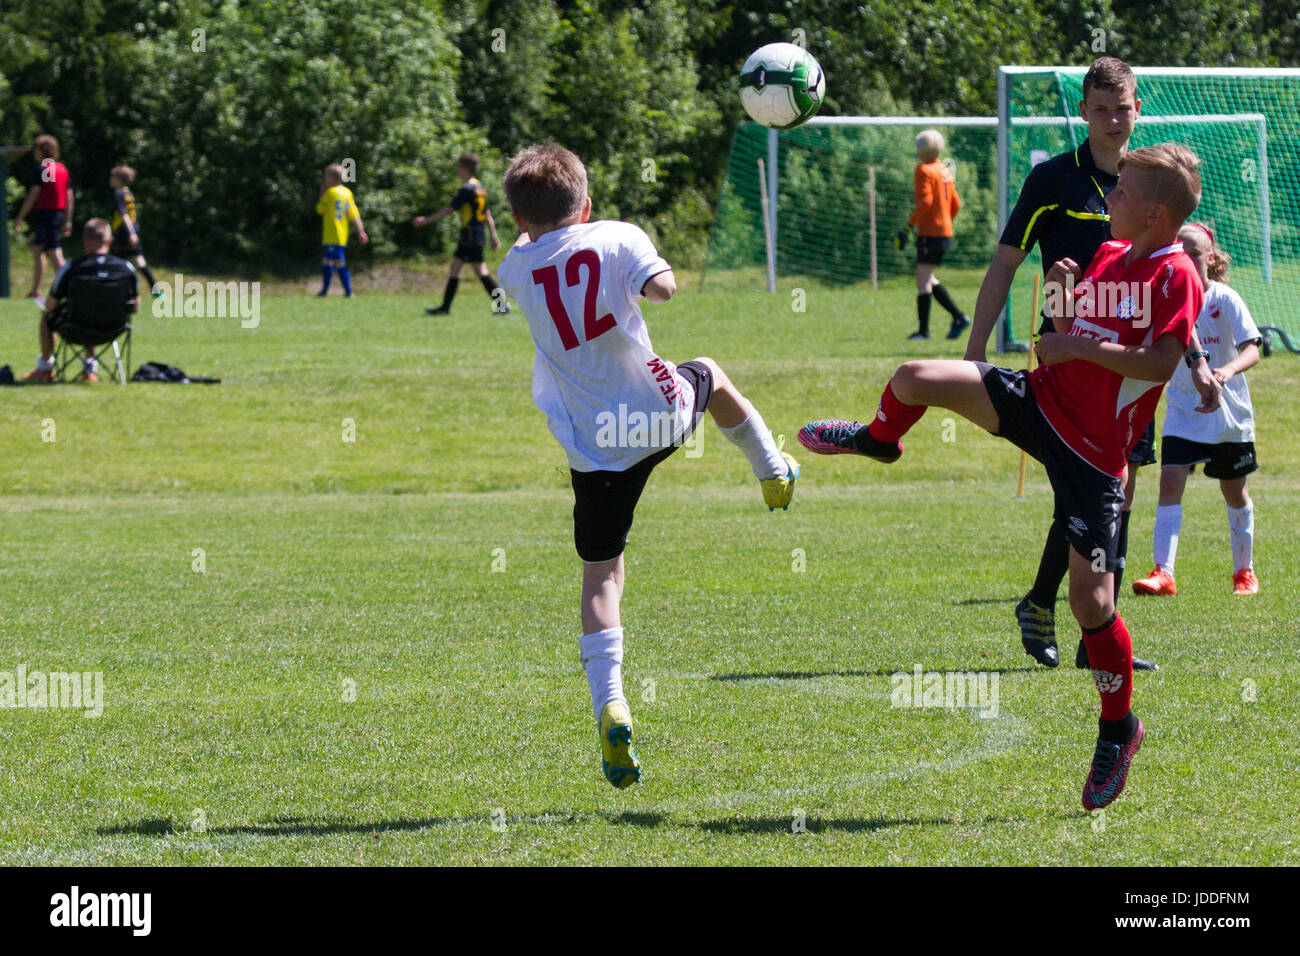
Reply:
x=816 y=189
x=798 y=204
x=1244 y=124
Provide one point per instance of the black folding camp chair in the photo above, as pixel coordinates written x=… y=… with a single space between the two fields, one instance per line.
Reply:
x=96 y=314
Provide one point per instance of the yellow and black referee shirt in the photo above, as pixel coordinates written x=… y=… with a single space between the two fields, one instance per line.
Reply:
x=1062 y=207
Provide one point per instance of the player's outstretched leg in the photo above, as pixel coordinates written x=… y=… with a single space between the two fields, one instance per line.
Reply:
x=601 y=647
x=1120 y=732
x=742 y=425
x=954 y=385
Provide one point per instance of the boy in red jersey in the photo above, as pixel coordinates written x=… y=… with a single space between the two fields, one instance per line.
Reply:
x=53 y=201
x=1126 y=324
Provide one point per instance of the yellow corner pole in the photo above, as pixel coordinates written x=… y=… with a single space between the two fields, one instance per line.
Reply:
x=1033 y=318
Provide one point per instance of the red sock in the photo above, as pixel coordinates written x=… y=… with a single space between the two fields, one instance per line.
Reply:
x=1110 y=652
x=893 y=418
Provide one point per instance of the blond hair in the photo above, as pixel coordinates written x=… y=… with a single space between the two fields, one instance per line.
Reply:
x=1171 y=177
x=97 y=231
x=546 y=184
x=124 y=173
x=1216 y=267
x=929 y=144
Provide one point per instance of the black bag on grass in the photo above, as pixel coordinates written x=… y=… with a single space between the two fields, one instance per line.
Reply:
x=158 y=372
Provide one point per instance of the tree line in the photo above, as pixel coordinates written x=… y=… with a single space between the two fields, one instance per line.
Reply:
x=230 y=109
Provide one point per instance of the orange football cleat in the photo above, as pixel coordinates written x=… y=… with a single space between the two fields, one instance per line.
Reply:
x=1245 y=582
x=39 y=374
x=1158 y=582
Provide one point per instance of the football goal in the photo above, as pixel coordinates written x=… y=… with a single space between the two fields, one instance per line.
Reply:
x=1244 y=125
x=827 y=200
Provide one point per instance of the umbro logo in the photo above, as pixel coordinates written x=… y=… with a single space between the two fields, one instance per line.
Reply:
x=1245 y=461
x=1078 y=525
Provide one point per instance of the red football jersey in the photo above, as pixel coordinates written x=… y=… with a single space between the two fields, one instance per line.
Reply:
x=54 y=185
x=1101 y=414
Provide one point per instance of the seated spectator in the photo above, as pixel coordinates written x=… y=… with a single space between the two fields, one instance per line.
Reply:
x=96 y=265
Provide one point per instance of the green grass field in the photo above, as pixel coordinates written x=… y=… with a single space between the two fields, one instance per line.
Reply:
x=349 y=681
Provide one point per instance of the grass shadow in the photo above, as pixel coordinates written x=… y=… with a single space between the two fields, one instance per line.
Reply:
x=290 y=826
x=881 y=672
x=279 y=826
x=815 y=825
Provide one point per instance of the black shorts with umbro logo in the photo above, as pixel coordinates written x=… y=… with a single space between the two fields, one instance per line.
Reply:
x=1087 y=500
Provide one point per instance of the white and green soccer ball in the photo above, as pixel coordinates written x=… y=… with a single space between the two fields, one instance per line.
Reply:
x=781 y=85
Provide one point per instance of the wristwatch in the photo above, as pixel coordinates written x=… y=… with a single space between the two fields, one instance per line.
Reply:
x=1195 y=357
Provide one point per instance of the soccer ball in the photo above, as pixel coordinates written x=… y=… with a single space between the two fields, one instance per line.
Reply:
x=781 y=85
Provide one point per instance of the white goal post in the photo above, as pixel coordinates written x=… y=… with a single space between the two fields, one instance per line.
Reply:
x=1073 y=126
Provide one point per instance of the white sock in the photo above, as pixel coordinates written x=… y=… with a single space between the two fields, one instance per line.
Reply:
x=90 y=364
x=44 y=363
x=602 y=658
x=752 y=437
x=1169 y=521
x=1241 y=529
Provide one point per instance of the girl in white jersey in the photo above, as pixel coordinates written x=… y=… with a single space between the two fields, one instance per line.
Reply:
x=1224 y=440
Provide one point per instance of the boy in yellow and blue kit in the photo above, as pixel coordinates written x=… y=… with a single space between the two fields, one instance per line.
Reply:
x=337 y=208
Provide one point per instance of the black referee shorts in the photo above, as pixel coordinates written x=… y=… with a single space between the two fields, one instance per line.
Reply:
x=1087 y=500
x=603 y=501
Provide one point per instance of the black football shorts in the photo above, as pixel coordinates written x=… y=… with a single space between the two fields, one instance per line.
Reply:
x=1087 y=500
x=603 y=501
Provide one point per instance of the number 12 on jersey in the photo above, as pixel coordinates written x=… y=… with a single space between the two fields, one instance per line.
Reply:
x=549 y=279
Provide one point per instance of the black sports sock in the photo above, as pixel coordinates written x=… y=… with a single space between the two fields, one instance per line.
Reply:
x=1121 y=550
x=1052 y=567
x=945 y=300
x=149 y=276
x=1118 y=731
x=923 y=312
x=449 y=293
x=488 y=283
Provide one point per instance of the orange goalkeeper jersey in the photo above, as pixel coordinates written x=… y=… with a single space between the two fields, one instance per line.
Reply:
x=936 y=200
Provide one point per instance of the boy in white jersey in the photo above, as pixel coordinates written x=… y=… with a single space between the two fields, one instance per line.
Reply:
x=1223 y=441
x=616 y=407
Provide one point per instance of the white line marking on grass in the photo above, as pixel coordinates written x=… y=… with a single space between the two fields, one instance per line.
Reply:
x=1003 y=734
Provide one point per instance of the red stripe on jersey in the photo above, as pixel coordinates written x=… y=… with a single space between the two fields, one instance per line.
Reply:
x=1101 y=414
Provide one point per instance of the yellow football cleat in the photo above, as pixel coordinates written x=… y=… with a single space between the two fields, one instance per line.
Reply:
x=777 y=492
x=619 y=762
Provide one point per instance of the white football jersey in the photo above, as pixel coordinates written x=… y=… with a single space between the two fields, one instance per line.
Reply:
x=1223 y=325
x=609 y=399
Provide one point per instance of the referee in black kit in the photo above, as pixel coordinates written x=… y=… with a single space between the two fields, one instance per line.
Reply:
x=1062 y=207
